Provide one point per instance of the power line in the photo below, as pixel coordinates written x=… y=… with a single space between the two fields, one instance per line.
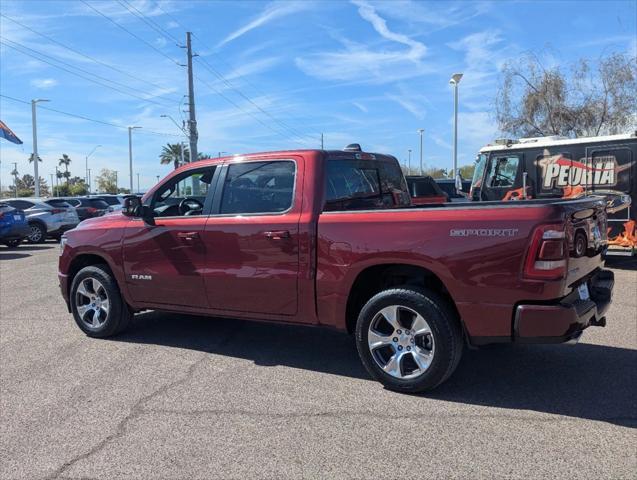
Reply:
x=221 y=77
x=95 y=60
x=150 y=45
x=282 y=124
x=148 y=21
x=88 y=119
x=20 y=48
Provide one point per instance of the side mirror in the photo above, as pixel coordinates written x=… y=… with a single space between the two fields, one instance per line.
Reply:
x=132 y=207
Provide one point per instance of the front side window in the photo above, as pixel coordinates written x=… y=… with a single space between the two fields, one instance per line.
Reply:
x=183 y=195
x=503 y=171
x=258 y=187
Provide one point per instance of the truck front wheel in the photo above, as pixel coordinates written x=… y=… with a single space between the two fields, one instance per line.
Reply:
x=409 y=340
x=97 y=304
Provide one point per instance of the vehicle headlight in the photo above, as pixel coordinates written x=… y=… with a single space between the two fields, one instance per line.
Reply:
x=63 y=241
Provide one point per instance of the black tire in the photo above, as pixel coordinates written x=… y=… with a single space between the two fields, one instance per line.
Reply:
x=118 y=316
x=13 y=243
x=38 y=233
x=445 y=329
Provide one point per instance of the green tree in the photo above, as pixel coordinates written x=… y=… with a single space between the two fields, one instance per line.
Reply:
x=466 y=171
x=436 y=172
x=66 y=161
x=107 y=181
x=171 y=153
x=26 y=186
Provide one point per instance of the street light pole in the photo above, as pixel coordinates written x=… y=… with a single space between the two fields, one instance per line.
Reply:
x=409 y=162
x=138 y=190
x=421 y=131
x=52 y=185
x=455 y=80
x=35 y=144
x=88 y=182
x=116 y=189
x=130 y=155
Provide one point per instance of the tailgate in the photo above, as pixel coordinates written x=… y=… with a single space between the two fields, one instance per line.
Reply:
x=587 y=237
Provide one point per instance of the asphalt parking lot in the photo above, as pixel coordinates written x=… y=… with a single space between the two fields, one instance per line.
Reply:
x=191 y=397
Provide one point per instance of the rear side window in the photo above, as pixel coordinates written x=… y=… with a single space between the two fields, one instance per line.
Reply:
x=21 y=204
x=363 y=185
x=110 y=200
x=99 y=204
x=258 y=187
x=58 y=203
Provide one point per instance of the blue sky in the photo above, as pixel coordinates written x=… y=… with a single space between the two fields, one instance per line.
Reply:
x=274 y=75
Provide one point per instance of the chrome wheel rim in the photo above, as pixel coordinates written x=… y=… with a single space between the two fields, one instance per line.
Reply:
x=401 y=342
x=36 y=233
x=92 y=303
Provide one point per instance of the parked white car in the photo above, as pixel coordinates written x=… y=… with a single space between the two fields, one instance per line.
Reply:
x=45 y=221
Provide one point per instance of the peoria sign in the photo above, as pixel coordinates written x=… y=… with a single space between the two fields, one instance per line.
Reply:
x=558 y=171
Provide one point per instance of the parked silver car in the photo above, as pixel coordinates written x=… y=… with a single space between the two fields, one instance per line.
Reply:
x=45 y=221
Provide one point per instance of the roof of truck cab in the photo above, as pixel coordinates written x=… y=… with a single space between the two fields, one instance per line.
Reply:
x=541 y=142
x=341 y=154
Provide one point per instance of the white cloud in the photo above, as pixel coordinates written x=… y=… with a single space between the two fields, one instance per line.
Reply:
x=160 y=42
x=272 y=12
x=172 y=24
x=409 y=105
x=44 y=83
x=416 y=49
x=361 y=107
x=359 y=63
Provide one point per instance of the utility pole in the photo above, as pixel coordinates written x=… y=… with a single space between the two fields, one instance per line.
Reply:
x=116 y=189
x=88 y=186
x=15 y=178
x=130 y=155
x=421 y=131
x=181 y=152
x=36 y=158
x=192 y=122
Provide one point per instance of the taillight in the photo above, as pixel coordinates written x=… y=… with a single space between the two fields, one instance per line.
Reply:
x=55 y=211
x=91 y=209
x=546 y=259
x=1 y=214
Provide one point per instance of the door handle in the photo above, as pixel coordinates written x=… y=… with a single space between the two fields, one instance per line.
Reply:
x=278 y=234
x=187 y=236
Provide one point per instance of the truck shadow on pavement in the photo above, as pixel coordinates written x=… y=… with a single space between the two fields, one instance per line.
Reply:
x=586 y=381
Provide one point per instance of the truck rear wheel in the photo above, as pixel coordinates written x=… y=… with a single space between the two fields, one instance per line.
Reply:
x=97 y=304
x=409 y=340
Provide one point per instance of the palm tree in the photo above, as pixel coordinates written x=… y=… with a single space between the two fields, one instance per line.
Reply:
x=171 y=153
x=66 y=161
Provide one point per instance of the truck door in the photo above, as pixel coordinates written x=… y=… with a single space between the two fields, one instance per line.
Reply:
x=503 y=175
x=165 y=262
x=253 y=237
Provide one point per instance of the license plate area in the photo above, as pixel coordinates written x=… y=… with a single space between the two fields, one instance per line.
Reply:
x=583 y=292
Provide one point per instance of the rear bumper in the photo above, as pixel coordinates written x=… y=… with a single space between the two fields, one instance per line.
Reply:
x=15 y=232
x=565 y=319
x=62 y=228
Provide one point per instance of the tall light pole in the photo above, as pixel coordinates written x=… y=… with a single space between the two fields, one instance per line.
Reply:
x=130 y=155
x=455 y=80
x=52 y=185
x=89 y=181
x=409 y=162
x=87 y=178
x=116 y=189
x=138 y=190
x=36 y=158
x=421 y=131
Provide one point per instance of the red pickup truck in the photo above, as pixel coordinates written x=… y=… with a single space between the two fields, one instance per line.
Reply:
x=330 y=238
